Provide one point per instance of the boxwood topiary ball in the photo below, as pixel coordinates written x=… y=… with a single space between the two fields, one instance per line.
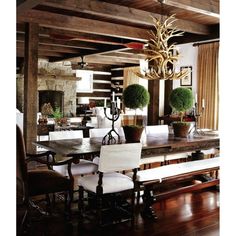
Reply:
x=181 y=99
x=135 y=96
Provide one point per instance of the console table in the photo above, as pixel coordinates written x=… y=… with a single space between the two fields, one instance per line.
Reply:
x=44 y=129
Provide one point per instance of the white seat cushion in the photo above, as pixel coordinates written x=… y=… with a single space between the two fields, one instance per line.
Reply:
x=176 y=156
x=150 y=160
x=84 y=167
x=176 y=169
x=112 y=182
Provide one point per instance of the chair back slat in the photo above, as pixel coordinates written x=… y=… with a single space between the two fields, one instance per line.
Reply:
x=98 y=132
x=119 y=157
x=66 y=134
x=157 y=129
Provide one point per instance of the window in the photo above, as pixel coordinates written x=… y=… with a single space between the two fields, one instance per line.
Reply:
x=85 y=82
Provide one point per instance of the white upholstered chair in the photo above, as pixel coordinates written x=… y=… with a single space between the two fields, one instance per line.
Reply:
x=98 y=132
x=149 y=130
x=113 y=158
x=163 y=130
x=102 y=121
x=84 y=167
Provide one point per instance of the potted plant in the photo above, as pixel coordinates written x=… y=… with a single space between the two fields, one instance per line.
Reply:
x=181 y=100
x=134 y=96
x=58 y=117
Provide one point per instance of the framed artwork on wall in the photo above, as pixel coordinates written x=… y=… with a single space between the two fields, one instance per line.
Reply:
x=187 y=80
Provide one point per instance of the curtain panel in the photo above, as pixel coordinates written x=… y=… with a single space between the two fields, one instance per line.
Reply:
x=208 y=84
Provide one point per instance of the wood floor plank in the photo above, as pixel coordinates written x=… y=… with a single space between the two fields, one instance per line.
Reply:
x=189 y=214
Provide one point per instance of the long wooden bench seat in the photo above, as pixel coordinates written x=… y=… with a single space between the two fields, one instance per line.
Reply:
x=150 y=179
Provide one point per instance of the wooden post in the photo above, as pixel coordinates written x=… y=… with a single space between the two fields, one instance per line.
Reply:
x=30 y=85
x=168 y=89
x=153 y=107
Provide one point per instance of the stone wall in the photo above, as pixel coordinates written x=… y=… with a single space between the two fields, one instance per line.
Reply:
x=52 y=76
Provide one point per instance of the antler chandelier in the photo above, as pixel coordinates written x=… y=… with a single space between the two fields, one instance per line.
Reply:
x=161 y=56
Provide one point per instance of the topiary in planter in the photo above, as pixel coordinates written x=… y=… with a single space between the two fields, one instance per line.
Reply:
x=134 y=96
x=181 y=100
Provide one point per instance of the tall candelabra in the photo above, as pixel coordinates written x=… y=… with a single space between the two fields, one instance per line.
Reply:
x=109 y=138
x=197 y=114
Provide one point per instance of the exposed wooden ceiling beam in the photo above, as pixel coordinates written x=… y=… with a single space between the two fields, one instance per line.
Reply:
x=112 y=60
x=41 y=53
x=24 y=6
x=125 y=55
x=201 y=6
x=59 y=49
x=53 y=20
x=102 y=59
x=64 y=43
x=127 y=14
x=78 y=36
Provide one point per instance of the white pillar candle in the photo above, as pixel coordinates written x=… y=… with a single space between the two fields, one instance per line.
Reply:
x=105 y=102
x=196 y=98
x=113 y=96
x=203 y=103
x=118 y=103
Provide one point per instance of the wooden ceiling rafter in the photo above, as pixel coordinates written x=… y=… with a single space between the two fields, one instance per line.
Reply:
x=54 y=48
x=203 y=7
x=122 y=13
x=58 y=21
x=24 y=6
x=71 y=44
x=69 y=29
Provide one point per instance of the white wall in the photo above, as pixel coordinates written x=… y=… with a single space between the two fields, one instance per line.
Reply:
x=188 y=57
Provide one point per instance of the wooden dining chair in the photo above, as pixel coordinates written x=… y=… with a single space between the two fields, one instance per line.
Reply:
x=36 y=182
x=107 y=187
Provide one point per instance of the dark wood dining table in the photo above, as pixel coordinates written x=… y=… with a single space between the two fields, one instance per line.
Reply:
x=154 y=144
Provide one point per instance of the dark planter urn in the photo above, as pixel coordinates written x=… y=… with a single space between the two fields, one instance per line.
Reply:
x=133 y=133
x=181 y=129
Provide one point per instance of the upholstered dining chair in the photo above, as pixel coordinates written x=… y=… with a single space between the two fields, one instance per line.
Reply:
x=98 y=132
x=84 y=167
x=35 y=182
x=109 y=182
x=163 y=130
x=158 y=130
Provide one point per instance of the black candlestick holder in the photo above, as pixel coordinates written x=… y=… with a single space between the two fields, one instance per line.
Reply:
x=197 y=115
x=109 y=138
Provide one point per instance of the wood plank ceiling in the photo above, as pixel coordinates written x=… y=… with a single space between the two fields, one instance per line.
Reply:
x=101 y=31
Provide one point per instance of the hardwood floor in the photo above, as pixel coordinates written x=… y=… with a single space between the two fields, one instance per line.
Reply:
x=189 y=214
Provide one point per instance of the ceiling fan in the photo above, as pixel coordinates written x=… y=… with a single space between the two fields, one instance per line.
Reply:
x=82 y=65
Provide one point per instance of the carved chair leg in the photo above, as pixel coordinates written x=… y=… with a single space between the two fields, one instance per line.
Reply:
x=148 y=200
x=138 y=197
x=81 y=203
x=99 y=209
x=49 y=203
x=133 y=208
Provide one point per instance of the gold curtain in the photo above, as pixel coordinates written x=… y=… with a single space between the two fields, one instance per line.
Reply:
x=130 y=77
x=208 y=84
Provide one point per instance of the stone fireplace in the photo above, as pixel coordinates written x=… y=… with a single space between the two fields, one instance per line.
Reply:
x=56 y=84
x=55 y=98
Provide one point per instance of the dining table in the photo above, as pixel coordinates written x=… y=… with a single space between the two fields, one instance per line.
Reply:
x=152 y=144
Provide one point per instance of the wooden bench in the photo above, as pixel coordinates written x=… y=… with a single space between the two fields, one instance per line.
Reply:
x=150 y=179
